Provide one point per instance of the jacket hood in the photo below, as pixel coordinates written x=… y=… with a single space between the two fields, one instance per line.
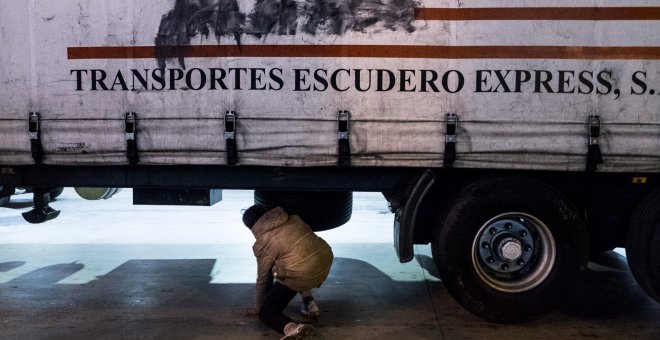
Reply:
x=271 y=219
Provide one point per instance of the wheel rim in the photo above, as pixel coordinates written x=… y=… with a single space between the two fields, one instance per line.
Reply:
x=513 y=252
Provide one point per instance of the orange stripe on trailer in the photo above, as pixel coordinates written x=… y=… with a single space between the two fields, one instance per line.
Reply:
x=539 y=13
x=369 y=51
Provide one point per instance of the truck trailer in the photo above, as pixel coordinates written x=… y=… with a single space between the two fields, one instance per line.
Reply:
x=515 y=137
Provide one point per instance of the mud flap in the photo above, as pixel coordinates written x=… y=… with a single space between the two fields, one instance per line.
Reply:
x=405 y=216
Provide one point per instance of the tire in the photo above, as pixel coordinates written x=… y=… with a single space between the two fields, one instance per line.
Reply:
x=96 y=193
x=321 y=210
x=643 y=245
x=4 y=200
x=5 y=194
x=510 y=249
x=6 y=190
x=55 y=193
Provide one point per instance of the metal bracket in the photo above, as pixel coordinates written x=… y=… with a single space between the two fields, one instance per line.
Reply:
x=450 y=140
x=343 y=132
x=594 y=154
x=230 y=137
x=34 y=133
x=41 y=212
x=131 y=137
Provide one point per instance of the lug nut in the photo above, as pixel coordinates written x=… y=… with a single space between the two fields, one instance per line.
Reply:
x=528 y=248
x=505 y=267
x=485 y=245
x=508 y=226
x=523 y=233
x=490 y=259
x=492 y=231
x=520 y=262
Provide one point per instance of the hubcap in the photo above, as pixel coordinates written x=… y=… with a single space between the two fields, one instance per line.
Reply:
x=513 y=252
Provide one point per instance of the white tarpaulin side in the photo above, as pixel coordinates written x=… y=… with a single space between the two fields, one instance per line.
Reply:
x=522 y=76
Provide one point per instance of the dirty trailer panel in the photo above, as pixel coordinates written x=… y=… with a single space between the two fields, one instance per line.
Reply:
x=522 y=81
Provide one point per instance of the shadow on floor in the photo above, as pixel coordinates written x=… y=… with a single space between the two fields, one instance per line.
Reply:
x=608 y=290
x=174 y=299
x=8 y=266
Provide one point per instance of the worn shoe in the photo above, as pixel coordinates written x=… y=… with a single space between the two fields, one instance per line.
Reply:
x=298 y=331
x=309 y=308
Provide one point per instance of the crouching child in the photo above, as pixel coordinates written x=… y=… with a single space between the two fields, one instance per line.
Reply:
x=291 y=259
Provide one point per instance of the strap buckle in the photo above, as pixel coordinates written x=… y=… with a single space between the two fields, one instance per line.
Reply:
x=452 y=124
x=343 y=131
x=230 y=125
x=343 y=124
x=34 y=133
x=594 y=129
x=131 y=122
x=131 y=142
x=230 y=137
x=594 y=154
x=451 y=121
x=34 y=125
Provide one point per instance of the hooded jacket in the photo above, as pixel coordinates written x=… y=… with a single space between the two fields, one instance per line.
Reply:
x=286 y=247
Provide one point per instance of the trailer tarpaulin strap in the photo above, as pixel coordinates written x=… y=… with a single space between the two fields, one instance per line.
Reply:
x=34 y=132
x=450 y=140
x=230 y=137
x=344 y=146
x=594 y=155
x=131 y=140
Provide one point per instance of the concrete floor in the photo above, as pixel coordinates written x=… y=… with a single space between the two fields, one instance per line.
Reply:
x=110 y=270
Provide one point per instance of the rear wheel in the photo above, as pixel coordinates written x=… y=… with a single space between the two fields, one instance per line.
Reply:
x=96 y=193
x=5 y=194
x=510 y=249
x=643 y=245
x=55 y=193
